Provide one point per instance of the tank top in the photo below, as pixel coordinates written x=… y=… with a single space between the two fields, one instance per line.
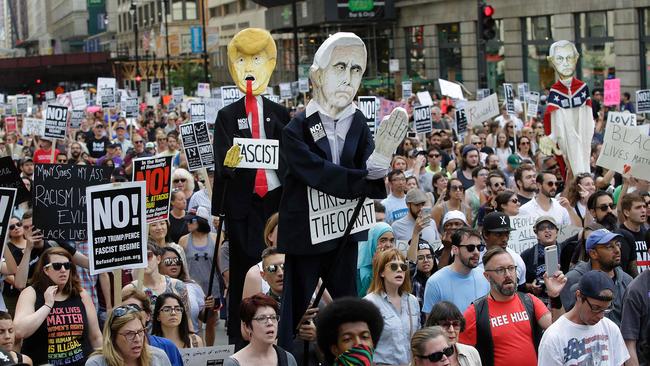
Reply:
x=467 y=183
x=199 y=263
x=63 y=338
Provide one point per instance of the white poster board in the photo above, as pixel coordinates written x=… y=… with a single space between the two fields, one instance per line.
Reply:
x=450 y=89
x=482 y=110
x=258 y=153
x=626 y=145
x=329 y=216
x=624 y=118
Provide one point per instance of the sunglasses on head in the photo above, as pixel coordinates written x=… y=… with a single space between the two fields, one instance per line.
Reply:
x=58 y=265
x=125 y=309
x=13 y=226
x=437 y=356
x=395 y=266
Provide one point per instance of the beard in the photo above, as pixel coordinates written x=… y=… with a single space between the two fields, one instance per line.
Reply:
x=500 y=287
x=609 y=221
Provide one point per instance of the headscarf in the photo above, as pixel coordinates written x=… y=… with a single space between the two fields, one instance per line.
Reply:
x=368 y=248
x=359 y=355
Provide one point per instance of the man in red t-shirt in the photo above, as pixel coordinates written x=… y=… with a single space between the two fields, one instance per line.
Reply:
x=44 y=153
x=513 y=341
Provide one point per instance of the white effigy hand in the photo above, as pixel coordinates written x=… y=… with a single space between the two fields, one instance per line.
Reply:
x=391 y=132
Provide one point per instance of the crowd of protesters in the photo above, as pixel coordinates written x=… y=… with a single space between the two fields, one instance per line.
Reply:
x=438 y=283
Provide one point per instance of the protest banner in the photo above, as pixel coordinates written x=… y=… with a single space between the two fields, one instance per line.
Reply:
x=33 y=127
x=157 y=173
x=154 y=89
x=643 y=101
x=59 y=198
x=76 y=118
x=522 y=92
x=285 y=91
x=56 y=122
x=612 y=92
x=482 y=110
x=329 y=215
x=407 y=89
x=509 y=96
x=7 y=200
x=197 y=145
x=106 y=89
x=131 y=107
x=49 y=95
x=78 y=99
x=482 y=94
x=422 y=119
x=212 y=107
x=203 y=90
x=206 y=356
x=117 y=229
x=258 y=153
x=369 y=107
x=303 y=85
x=197 y=112
x=461 y=121
x=626 y=145
x=624 y=118
x=11 y=124
x=177 y=94
x=533 y=104
x=64 y=99
x=274 y=98
x=425 y=98
x=229 y=95
x=22 y=104
x=522 y=235
x=10 y=178
x=450 y=89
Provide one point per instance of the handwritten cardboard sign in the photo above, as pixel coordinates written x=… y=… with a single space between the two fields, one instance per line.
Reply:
x=329 y=216
x=482 y=110
x=612 y=92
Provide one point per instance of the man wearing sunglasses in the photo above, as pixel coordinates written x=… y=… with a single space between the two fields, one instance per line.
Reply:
x=460 y=282
x=545 y=203
x=584 y=335
x=604 y=251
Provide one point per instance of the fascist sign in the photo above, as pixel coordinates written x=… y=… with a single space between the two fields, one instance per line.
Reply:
x=59 y=198
x=10 y=178
x=422 y=119
x=258 y=153
x=157 y=173
x=369 y=106
x=197 y=145
x=329 y=216
x=56 y=121
x=117 y=231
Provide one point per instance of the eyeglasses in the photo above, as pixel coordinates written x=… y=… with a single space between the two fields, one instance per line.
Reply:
x=450 y=323
x=597 y=309
x=169 y=262
x=437 y=356
x=122 y=310
x=58 y=265
x=273 y=268
x=457 y=188
x=99 y=126
x=604 y=207
x=395 y=266
x=524 y=143
x=131 y=335
x=266 y=318
x=62 y=161
x=16 y=225
x=473 y=247
x=428 y=257
x=181 y=180
x=434 y=156
x=515 y=200
x=551 y=184
x=172 y=309
x=138 y=142
x=501 y=271
x=543 y=227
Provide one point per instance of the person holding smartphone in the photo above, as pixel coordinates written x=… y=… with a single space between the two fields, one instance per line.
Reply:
x=416 y=224
x=546 y=230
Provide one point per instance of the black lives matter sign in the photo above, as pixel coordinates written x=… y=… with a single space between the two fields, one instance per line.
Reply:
x=59 y=198
x=56 y=121
x=197 y=145
x=117 y=226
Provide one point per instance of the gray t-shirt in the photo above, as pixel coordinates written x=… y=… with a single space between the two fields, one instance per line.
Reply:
x=291 y=361
x=158 y=358
x=636 y=311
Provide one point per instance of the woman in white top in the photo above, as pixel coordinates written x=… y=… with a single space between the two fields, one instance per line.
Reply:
x=502 y=150
x=390 y=291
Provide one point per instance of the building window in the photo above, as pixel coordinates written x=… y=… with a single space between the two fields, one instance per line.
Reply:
x=415 y=52
x=230 y=8
x=191 y=9
x=644 y=39
x=537 y=40
x=450 y=52
x=595 y=43
x=214 y=12
x=495 y=58
x=178 y=12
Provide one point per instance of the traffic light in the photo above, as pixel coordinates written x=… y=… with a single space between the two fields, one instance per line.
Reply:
x=138 y=78
x=487 y=22
x=38 y=81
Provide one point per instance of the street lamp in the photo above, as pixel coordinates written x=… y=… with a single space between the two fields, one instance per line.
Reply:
x=166 y=4
x=132 y=11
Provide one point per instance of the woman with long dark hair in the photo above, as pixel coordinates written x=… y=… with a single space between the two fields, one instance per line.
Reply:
x=454 y=200
x=171 y=321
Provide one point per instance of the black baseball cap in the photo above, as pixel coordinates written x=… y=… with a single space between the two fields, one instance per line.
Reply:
x=496 y=222
x=593 y=283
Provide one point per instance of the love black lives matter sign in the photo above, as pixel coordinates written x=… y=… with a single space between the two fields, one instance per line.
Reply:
x=197 y=145
x=59 y=198
x=157 y=173
x=117 y=226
